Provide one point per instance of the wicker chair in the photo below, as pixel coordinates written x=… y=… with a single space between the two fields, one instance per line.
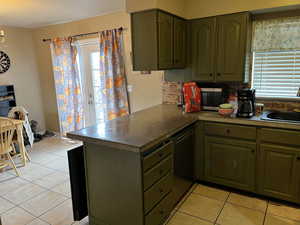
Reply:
x=7 y=130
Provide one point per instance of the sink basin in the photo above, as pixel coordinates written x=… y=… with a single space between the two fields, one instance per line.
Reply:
x=293 y=117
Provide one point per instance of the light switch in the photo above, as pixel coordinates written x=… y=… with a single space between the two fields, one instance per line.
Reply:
x=129 y=88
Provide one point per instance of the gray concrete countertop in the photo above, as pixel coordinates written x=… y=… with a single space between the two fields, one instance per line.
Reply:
x=146 y=128
x=254 y=121
x=139 y=130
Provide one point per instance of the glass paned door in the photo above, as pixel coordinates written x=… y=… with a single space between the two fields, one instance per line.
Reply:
x=89 y=63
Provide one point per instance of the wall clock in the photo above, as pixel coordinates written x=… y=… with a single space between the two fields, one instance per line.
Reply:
x=4 y=62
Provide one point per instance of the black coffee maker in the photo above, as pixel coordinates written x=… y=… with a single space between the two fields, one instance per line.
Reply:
x=246 y=103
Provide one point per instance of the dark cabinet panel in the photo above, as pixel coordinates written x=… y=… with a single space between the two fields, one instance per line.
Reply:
x=165 y=40
x=78 y=185
x=144 y=40
x=183 y=163
x=231 y=46
x=203 y=48
x=180 y=41
x=158 y=40
x=219 y=47
x=230 y=162
x=278 y=173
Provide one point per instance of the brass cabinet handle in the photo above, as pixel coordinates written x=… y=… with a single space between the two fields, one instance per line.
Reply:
x=219 y=74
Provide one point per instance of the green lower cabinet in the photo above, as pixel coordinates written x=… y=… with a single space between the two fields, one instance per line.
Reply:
x=278 y=174
x=230 y=162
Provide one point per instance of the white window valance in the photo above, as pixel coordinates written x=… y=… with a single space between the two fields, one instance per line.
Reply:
x=280 y=34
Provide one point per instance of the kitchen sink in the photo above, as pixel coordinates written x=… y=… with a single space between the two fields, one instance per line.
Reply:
x=293 y=117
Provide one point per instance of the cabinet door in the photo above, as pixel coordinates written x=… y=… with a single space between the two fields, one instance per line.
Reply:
x=230 y=162
x=231 y=46
x=165 y=40
x=279 y=172
x=180 y=33
x=203 y=48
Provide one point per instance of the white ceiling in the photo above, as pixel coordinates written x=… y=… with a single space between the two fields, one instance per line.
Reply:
x=38 y=13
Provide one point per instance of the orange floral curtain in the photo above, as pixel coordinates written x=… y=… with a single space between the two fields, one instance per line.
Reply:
x=68 y=85
x=112 y=74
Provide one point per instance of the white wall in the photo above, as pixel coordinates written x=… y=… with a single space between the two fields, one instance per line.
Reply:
x=23 y=72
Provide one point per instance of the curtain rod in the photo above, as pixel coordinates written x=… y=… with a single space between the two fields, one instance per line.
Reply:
x=83 y=34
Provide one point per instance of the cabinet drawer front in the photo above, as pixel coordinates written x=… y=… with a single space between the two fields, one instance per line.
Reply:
x=157 y=192
x=159 y=154
x=161 y=212
x=229 y=130
x=280 y=136
x=157 y=172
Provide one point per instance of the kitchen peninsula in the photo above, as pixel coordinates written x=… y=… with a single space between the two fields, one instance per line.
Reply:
x=138 y=167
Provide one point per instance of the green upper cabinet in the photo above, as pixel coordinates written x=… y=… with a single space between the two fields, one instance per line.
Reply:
x=231 y=46
x=180 y=39
x=279 y=172
x=203 y=48
x=158 y=40
x=219 y=47
x=165 y=40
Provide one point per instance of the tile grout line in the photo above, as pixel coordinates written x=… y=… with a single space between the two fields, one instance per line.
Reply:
x=197 y=217
x=215 y=222
x=266 y=213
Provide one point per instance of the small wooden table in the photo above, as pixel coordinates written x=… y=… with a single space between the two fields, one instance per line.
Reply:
x=20 y=138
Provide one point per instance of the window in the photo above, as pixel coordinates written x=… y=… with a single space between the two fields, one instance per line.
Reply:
x=276 y=58
x=276 y=74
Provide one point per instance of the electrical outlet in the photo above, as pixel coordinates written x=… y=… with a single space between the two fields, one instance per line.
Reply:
x=129 y=88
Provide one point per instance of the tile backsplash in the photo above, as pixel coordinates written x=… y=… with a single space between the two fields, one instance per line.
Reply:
x=171 y=91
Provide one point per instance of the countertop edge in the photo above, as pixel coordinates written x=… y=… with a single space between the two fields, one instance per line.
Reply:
x=104 y=142
x=251 y=122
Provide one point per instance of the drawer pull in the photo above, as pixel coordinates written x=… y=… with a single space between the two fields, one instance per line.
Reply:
x=298 y=158
x=161 y=212
x=228 y=131
x=160 y=190
x=253 y=151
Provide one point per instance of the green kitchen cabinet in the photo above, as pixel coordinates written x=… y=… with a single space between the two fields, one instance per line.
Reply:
x=232 y=46
x=230 y=162
x=180 y=39
x=203 y=49
x=158 y=40
x=165 y=40
x=220 y=46
x=279 y=172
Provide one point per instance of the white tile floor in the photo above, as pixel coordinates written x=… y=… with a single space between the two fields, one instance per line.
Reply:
x=41 y=196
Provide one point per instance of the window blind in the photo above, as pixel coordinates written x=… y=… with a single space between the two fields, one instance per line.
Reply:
x=276 y=74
